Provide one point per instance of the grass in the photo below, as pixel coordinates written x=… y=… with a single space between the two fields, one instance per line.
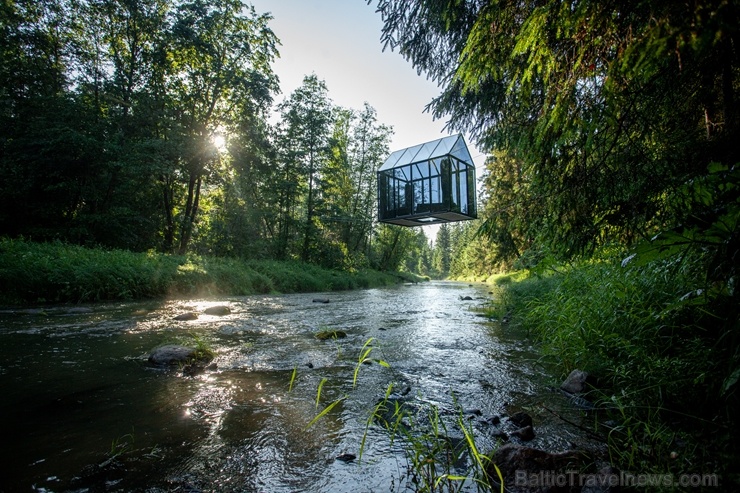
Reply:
x=641 y=332
x=441 y=455
x=61 y=273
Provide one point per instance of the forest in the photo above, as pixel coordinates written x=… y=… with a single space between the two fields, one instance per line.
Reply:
x=613 y=182
x=148 y=125
x=611 y=130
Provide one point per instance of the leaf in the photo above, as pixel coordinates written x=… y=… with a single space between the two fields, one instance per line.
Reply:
x=318 y=391
x=324 y=412
x=292 y=378
x=731 y=380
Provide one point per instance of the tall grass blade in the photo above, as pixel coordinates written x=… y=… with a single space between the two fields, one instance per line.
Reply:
x=292 y=378
x=326 y=410
x=318 y=391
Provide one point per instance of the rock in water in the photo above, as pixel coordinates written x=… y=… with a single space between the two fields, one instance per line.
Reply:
x=576 y=382
x=220 y=310
x=171 y=354
x=517 y=461
x=330 y=334
x=526 y=433
x=521 y=419
x=187 y=316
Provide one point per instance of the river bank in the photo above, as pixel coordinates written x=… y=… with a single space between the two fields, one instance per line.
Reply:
x=38 y=273
x=662 y=378
x=85 y=409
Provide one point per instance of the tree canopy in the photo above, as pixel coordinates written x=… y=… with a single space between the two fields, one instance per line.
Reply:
x=148 y=124
x=606 y=109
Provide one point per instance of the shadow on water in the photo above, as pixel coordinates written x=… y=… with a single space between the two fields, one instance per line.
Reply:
x=83 y=410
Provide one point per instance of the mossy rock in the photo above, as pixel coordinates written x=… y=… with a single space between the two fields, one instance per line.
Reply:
x=173 y=354
x=330 y=334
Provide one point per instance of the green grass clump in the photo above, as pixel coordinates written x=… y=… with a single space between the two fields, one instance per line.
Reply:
x=61 y=273
x=644 y=332
x=57 y=272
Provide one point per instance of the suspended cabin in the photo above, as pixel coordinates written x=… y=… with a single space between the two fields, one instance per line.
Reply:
x=427 y=184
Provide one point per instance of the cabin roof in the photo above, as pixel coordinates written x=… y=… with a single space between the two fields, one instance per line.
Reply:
x=453 y=145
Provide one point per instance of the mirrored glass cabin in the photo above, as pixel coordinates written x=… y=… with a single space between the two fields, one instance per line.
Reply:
x=427 y=184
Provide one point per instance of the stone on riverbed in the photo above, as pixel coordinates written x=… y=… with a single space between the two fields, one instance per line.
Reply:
x=220 y=310
x=521 y=468
x=330 y=334
x=187 y=316
x=526 y=433
x=576 y=383
x=521 y=419
x=171 y=354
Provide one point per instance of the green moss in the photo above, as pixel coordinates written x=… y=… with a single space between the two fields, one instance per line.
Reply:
x=323 y=335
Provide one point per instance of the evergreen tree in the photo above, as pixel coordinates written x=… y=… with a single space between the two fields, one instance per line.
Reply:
x=606 y=107
x=443 y=250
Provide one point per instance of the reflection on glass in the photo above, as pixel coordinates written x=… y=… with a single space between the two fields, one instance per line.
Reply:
x=427 y=183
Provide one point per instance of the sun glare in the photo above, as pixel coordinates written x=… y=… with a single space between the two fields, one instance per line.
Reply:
x=219 y=141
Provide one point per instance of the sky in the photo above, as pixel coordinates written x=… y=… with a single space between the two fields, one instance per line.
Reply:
x=339 y=41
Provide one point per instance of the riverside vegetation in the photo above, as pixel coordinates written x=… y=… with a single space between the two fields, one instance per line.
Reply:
x=62 y=273
x=658 y=346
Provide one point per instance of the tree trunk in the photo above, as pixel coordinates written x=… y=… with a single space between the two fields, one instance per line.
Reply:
x=191 y=211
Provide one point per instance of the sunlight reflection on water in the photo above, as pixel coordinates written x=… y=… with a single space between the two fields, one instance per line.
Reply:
x=76 y=382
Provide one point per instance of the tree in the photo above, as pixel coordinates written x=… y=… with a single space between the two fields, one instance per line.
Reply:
x=304 y=147
x=443 y=250
x=219 y=49
x=358 y=147
x=41 y=186
x=369 y=148
x=512 y=210
x=607 y=106
x=391 y=245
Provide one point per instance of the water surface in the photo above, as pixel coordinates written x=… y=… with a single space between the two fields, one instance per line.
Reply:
x=83 y=410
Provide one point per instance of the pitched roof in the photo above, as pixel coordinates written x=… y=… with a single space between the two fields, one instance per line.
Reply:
x=452 y=145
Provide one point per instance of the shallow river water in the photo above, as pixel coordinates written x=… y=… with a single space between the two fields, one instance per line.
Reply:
x=83 y=410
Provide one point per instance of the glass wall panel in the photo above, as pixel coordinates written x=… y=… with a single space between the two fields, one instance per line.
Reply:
x=434 y=167
x=418 y=196
x=436 y=192
x=421 y=170
x=402 y=173
x=463 y=190
x=472 y=208
x=427 y=183
x=455 y=195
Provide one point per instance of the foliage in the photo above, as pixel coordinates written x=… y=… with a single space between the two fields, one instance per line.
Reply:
x=650 y=340
x=441 y=452
x=438 y=460
x=203 y=351
x=58 y=272
x=442 y=251
x=597 y=110
x=144 y=125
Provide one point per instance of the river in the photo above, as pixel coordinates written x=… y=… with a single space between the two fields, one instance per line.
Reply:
x=83 y=410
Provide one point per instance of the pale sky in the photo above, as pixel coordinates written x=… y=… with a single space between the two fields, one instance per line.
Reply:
x=339 y=41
